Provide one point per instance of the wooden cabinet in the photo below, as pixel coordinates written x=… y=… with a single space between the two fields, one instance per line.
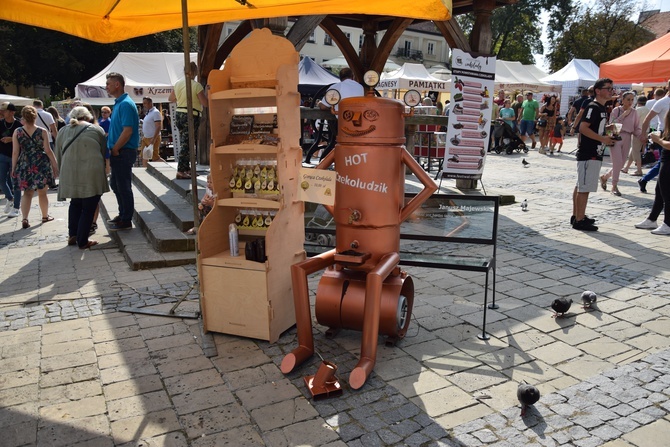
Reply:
x=259 y=82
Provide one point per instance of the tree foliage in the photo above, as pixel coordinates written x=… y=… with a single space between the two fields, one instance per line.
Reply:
x=516 y=30
x=37 y=56
x=601 y=33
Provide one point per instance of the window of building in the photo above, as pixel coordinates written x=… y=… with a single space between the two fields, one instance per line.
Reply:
x=360 y=41
x=431 y=48
x=348 y=36
x=312 y=38
x=327 y=40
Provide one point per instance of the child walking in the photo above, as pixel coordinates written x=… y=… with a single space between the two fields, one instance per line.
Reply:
x=557 y=136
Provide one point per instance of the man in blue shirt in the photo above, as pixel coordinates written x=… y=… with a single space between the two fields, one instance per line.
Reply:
x=123 y=140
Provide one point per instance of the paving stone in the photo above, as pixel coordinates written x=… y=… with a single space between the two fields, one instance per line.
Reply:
x=147 y=425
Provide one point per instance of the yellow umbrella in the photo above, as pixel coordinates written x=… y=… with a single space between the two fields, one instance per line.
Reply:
x=107 y=21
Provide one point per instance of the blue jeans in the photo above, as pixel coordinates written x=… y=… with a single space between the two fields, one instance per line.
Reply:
x=662 y=193
x=653 y=172
x=121 y=182
x=80 y=218
x=9 y=186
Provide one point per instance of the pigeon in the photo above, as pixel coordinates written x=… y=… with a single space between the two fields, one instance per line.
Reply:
x=589 y=298
x=524 y=205
x=527 y=395
x=561 y=306
x=525 y=163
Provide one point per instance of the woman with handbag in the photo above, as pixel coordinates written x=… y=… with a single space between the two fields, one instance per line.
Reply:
x=80 y=151
x=34 y=164
x=625 y=116
x=546 y=122
x=638 y=149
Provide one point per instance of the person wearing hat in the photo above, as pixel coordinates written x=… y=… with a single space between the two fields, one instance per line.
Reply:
x=529 y=113
x=8 y=124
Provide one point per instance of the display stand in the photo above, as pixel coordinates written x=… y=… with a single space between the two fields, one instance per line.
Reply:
x=258 y=84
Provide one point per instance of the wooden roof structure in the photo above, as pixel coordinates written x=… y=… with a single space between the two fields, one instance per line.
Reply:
x=372 y=56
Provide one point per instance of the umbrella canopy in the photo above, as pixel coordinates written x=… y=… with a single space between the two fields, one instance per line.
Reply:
x=16 y=100
x=310 y=73
x=341 y=62
x=108 y=21
x=649 y=63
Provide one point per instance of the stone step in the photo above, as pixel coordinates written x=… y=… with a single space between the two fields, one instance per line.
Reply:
x=166 y=199
x=154 y=241
x=166 y=173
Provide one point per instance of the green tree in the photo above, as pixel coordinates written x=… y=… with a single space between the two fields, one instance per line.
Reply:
x=32 y=56
x=601 y=33
x=516 y=30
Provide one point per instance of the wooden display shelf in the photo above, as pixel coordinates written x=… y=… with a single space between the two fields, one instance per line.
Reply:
x=245 y=149
x=249 y=202
x=244 y=93
x=224 y=259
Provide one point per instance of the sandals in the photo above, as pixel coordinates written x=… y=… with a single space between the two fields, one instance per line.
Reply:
x=72 y=240
x=89 y=244
x=25 y=224
x=47 y=218
x=603 y=182
x=183 y=176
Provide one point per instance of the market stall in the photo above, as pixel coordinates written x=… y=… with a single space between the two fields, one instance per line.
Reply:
x=649 y=63
x=577 y=75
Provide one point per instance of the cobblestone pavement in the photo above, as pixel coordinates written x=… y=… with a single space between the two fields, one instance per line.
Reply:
x=76 y=372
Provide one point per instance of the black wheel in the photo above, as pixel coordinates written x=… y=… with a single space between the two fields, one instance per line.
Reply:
x=524 y=148
x=509 y=150
x=498 y=149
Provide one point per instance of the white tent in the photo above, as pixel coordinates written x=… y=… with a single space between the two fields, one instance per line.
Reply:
x=412 y=76
x=536 y=71
x=147 y=74
x=578 y=74
x=515 y=76
x=341 y=62
x=16 y=100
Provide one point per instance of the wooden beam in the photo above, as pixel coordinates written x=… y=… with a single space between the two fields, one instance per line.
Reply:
x=208 y=39
x=387 y=43
x=299 y=33
x=348 y=51
x=233 y=39
x=453 y=34
x=482 y=36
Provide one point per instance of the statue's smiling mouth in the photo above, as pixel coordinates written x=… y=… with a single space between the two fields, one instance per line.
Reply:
x=358 y=133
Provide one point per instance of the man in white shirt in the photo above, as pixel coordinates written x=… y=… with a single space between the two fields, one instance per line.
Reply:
x=658 y=109
x=658 y=94
x=46 y=120
x=151 y=132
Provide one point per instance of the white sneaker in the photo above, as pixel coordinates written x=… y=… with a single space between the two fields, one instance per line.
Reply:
x=647 y=225
x=542 y=151
x=13 y=213
x=663 y=229
x=8 y=206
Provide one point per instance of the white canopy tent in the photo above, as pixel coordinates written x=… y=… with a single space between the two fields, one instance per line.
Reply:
x=147 y=74
x=515 y=76
x=341 y=62
x=578 y=74
x=536 y=71
x=412 y=76
x=16 y=100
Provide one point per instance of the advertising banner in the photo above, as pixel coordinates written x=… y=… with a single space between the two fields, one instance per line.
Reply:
x=470 y=115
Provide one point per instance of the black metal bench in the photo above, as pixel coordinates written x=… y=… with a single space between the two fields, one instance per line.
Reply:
x=449 y=231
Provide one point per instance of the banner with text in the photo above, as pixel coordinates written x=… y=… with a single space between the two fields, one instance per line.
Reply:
x=470 y=115
x=317 y=185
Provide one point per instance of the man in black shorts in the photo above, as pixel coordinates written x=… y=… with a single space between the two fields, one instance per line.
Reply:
x=590 y=153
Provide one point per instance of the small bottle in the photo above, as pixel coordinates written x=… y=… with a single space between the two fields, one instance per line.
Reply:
x=233 y=238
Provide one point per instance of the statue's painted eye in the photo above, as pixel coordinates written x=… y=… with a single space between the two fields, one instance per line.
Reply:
x=371 y=115
x=347 y=115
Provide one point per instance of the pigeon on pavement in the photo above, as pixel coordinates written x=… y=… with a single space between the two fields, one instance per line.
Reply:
x=524 y=205
x=527 y=395
x=561 y=306
x=525 y=163
x=588 y=298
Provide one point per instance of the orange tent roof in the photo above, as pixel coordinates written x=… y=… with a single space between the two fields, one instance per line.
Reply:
x=649 y=63
x=108 y=21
